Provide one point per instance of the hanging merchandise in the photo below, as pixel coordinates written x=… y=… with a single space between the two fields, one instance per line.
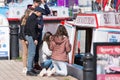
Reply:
x=115 y=3
x=118 y=5
x=104 y=4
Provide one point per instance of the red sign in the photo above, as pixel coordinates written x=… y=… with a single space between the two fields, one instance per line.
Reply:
x=107 y=58
x=108 y=77
x=108 y=49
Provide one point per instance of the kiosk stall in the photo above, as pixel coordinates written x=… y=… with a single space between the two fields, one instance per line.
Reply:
x=100 y=28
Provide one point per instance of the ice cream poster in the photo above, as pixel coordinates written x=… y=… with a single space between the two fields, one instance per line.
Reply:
x=107 y=57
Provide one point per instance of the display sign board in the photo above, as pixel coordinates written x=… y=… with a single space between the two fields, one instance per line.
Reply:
x=4 y=37
x=86 y=20
x=107 y=61
x=4 y=42
x=109 y=20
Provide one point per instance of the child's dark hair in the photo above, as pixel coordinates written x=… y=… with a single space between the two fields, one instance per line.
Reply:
x=47 y=37
x=61 y=31
x=38 y=1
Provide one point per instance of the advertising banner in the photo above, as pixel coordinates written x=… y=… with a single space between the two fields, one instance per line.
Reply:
x=4 y=42
x=107 y=61
x=4 y=37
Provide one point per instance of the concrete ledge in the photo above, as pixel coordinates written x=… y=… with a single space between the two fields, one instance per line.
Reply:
x=75 y=71
x=66 y=78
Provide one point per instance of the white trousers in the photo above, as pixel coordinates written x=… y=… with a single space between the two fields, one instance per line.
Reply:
x=60 y=67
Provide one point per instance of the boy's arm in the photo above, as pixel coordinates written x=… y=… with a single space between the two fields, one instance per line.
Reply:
x=46 y=9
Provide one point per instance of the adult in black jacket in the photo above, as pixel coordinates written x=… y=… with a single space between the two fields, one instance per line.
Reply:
x=31 y=37
x=46 y=11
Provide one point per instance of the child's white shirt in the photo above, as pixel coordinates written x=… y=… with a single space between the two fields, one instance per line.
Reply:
x=45 y=51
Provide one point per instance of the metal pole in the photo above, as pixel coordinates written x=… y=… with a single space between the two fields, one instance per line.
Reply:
x=88 y=73
x=14 y=42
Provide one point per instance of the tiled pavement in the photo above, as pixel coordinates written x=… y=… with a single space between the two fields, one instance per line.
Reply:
x=12 y=70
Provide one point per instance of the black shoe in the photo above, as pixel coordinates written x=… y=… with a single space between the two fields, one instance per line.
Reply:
x=35 y=71
x=37 y=67
x=30 y=73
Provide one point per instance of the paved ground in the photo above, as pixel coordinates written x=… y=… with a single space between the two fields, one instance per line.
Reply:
x=12 y=70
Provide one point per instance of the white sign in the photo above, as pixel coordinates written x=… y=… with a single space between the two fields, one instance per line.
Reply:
x=113 y=37
x=4 y=41
x=85 y=20
x=71 y=33
x=4 y=37
x=110 y=19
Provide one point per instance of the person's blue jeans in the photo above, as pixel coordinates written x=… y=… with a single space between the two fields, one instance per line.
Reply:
x=36 y=58
x=47 y=64
x=31 y=52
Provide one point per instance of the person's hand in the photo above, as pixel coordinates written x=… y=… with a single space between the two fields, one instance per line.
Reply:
x=35 y=42
x=39 y=26
x=26 y=42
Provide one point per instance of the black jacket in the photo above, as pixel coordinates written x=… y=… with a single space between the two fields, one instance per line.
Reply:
x=46 y=11
x=22 y=34
x=32 y=26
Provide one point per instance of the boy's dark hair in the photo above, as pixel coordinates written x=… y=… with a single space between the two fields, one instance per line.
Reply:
x=38 y=1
